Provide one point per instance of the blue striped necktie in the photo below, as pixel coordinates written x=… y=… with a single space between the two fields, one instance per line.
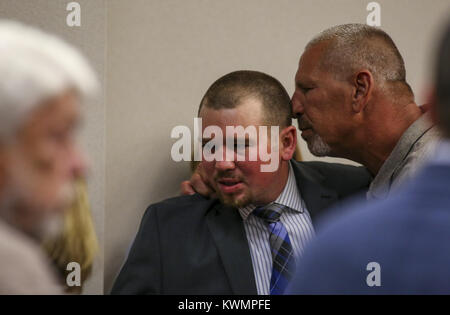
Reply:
x=281 y=247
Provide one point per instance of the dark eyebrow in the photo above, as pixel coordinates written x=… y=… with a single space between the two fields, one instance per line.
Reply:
x=300 y=84
x=305 y=86
x=303 y=81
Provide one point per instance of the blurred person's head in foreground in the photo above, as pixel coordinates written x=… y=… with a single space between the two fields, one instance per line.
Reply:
x=441 y=97
x=44 y=81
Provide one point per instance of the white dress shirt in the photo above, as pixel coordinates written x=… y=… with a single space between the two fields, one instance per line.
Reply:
x=297 y=222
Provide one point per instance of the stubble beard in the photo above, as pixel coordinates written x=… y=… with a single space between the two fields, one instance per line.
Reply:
x=236 y=201
x=318 y=147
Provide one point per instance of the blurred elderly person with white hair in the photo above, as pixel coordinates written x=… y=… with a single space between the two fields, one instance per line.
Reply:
x=43 y=82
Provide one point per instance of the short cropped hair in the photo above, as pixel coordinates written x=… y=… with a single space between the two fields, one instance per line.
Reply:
x=34 y=67
x=442 y=83
x=353 y=47
x=230 y=90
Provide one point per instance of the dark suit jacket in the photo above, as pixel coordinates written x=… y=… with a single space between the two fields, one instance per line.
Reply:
x=193 y=245
x=407 y=234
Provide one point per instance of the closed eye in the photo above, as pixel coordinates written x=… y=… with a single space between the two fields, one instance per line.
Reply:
x=303 y=88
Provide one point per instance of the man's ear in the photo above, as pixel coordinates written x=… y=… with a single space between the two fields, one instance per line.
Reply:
x=288 y=142
x=362 y=90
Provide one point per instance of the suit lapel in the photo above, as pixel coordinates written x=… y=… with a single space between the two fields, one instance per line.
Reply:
x=227 y=229
x=228 y=233
x=316 y=196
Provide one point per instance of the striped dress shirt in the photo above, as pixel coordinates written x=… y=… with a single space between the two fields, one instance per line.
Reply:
x=297 y=222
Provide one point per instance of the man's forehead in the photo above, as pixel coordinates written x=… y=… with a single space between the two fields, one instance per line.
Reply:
x=308 y=66
x=58 y=112
x=304 y=65
x=303 y=73
x=241 y=136
x=248 y=112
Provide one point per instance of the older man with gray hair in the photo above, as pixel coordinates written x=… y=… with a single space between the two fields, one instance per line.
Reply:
x=352 y=101
x=399 y=245
x=43 y=82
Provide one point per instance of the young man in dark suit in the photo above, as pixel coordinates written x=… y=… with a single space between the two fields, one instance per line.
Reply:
x=247 y=240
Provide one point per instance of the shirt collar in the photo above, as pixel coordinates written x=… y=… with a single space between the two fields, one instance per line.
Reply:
x=290 y=197
x=380 y=185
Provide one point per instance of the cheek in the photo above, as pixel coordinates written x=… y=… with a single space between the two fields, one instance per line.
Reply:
x=49 y=174
x=44 y=156
x=207 y=166
x=315 y=100
x=35 y=188
x=251 y=171
x=319 y=111
x=207 y=169
x=52 y=170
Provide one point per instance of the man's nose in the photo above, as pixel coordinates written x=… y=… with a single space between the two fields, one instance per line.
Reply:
x=79 y=164
x=297 y=106
x=226 y=164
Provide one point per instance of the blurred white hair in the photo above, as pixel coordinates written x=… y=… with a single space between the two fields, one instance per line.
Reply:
x=35 y=66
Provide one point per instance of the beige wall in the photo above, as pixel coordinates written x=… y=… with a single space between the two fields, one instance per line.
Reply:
x=90 y=38
x=156 y=58
x=163 y=55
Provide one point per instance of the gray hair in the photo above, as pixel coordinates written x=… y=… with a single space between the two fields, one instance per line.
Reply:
x=357 y=46
x=35 y=66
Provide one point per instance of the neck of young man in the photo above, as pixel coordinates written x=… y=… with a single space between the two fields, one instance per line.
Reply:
x=280 y=179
